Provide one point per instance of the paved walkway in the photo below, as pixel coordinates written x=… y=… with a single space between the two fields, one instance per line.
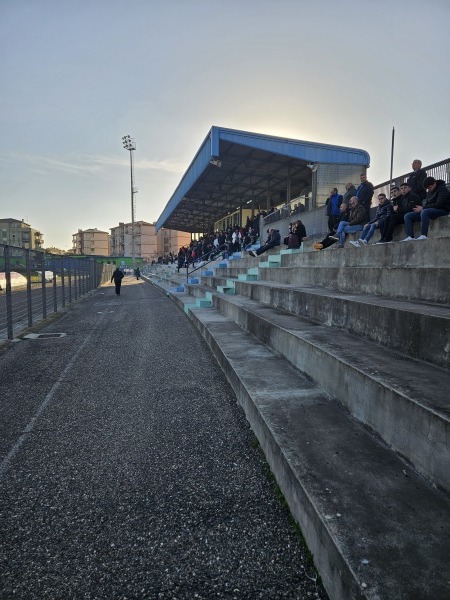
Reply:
x=127 y=469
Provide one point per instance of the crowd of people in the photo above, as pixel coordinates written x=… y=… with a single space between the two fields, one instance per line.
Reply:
x=420 y=198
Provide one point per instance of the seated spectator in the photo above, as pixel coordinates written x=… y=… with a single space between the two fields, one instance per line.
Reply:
x=436 y=204
x=384 y=211
x=332 y=204
x=296 y=234
x=273 y=240
x=328 y=240
x=357 y=219
x=402 y=203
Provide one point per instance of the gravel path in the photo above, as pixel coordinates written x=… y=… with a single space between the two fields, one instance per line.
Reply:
x=129 y=471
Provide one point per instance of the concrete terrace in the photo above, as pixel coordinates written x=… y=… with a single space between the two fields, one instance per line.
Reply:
x=340 y=360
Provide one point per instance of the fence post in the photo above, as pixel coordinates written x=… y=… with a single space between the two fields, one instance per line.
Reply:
x=29 y=294
x=9 y=315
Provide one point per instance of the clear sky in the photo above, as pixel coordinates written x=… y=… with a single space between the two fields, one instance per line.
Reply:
x=78 y=75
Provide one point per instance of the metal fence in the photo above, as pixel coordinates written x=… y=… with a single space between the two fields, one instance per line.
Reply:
x=34 y=284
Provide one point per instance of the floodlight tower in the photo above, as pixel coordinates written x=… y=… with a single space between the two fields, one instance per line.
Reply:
x=130 y=145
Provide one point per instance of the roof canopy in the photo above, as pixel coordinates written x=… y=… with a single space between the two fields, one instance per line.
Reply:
x=234 y=169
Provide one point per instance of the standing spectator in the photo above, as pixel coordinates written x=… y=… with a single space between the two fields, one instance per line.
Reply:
x=402 y=203
x=332 y=204
x=437 y=204
x=416 y=179
x=117 y=276
x=350 y=191
x=364 y=193
x=357 y=218
x=384 y=211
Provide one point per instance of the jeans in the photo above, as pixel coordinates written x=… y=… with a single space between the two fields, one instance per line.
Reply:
x=424 y=216
x=368 y=231
x=344 y=228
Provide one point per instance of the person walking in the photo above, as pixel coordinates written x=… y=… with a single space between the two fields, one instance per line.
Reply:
x=117 y=276
x=137 y=272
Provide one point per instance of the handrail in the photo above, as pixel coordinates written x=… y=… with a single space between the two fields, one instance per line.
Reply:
x=222 y=249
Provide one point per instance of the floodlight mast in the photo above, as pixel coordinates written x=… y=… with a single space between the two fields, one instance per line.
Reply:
x=130 y=145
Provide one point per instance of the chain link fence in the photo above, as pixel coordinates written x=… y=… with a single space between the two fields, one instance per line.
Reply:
x=34 y=284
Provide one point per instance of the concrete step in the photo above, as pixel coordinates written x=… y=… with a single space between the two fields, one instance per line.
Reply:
x=375 y=528
x=427 y=283
x=400 y=399
x=418 y=330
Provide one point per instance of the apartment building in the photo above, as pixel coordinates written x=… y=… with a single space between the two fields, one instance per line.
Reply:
x=20 y=234
x=170 y=241
x=90 y=242
x=121 y=241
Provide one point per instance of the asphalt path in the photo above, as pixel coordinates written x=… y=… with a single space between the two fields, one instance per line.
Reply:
x=127 y=468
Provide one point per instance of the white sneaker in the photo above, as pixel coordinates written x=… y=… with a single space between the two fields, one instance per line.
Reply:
x=355 y=244
x=422 y=237
x=408 y=239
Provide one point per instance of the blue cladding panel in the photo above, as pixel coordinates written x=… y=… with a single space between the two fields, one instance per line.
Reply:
x=309 y=151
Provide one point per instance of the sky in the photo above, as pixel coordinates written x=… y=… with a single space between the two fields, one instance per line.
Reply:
x=77 y=76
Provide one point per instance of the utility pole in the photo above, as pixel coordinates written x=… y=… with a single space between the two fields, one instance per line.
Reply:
x=130 y=145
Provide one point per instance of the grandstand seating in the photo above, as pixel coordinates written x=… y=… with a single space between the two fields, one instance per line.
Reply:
x=340 y=360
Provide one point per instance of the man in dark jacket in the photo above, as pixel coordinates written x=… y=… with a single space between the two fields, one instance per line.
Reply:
x=416 y=179
x=383 y=212
x=364 y=193
x=437 y=204
x=117 y=276
x=357 y=218
x=273 y=240
x=402 y=203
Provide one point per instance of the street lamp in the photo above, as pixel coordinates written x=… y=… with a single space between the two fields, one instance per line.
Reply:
x=130 y=145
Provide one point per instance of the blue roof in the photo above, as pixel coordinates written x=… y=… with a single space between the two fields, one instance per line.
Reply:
x=204 y=192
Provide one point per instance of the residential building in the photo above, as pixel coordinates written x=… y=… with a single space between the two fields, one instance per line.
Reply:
x=20 y=234
x=149 y=245
x=90 y=242
x=121 y=243
x=170 y=241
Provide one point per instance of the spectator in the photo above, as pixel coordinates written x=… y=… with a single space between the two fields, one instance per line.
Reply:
x=350 y=191
x=364 y=193
x=355 y=222
x=332 y=204
x=402 y=203
x=384 y=211
x=437 y=204
x=329 y=240
x=416 y=179
x=273 y=240
x=117 y=276
x=296 y=234
x=137 y=272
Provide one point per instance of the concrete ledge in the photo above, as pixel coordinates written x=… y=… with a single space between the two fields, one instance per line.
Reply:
x=335 y=477
x=417 y=330
x=402 y=401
